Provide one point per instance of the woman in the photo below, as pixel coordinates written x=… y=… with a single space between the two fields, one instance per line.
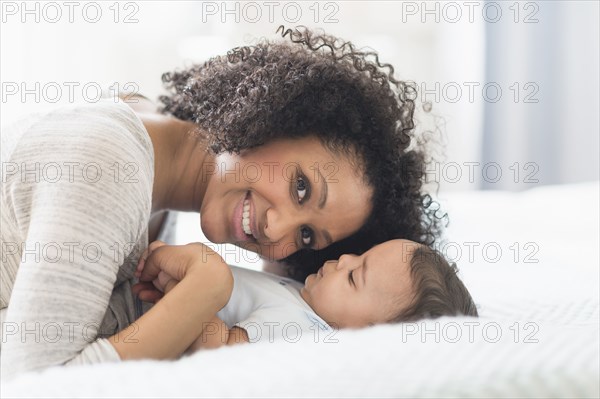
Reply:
x=310 y=146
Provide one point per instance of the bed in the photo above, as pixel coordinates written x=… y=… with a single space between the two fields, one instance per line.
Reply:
x=530 y=260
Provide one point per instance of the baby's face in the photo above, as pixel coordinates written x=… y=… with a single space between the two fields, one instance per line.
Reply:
x=356 y=291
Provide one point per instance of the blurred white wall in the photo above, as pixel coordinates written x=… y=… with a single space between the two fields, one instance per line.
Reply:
x=152 y=37
x=458 y=53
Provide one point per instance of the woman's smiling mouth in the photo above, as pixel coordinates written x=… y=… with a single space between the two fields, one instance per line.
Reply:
x=243 y=216
x=246 y=218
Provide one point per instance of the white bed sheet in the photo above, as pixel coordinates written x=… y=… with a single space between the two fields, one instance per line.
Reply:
x=546 y=315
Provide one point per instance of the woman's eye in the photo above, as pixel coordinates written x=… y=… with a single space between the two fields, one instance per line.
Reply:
x=301 y=188
x=307 y=236
x=351 y=278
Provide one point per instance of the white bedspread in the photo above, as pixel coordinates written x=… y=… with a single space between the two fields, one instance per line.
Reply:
x=538 y=334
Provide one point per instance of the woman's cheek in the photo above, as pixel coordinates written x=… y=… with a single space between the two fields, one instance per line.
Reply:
x=210 y=228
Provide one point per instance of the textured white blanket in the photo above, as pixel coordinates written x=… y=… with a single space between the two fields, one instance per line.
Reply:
x=538 y=335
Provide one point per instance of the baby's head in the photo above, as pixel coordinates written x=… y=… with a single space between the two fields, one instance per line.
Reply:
x=396 y=281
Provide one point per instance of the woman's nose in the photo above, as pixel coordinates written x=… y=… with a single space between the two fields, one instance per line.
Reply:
x=279 y=226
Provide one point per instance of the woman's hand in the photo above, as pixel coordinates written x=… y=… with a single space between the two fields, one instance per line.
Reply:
x=198 y=282
x=152 y=291
x=162 y=266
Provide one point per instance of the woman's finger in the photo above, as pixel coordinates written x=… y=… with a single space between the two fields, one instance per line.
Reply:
x=141 y=286
x=164 y=282
x=170 y=285
x=147 y=292
x=150 y=296
x=153 y=245
x=147 y=252
x=163 y=278
x=159 y=259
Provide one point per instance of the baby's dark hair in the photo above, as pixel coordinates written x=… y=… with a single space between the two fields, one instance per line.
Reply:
x=316 y=84
x=437 y=289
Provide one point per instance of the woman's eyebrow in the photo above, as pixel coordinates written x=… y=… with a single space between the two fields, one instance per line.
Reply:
x=324 y=188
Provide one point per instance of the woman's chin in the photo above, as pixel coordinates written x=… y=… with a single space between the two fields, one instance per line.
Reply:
x=213 y=236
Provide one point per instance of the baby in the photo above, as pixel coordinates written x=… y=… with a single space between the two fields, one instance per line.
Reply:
x=398 y=280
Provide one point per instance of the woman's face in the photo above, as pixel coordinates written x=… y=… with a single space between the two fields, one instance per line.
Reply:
x=283 y=196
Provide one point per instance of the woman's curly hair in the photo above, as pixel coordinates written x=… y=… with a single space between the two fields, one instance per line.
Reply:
x=317 y=84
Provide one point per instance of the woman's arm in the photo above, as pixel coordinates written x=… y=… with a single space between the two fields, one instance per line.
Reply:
x=75 y=229
x=213 y=333
x=173 y=324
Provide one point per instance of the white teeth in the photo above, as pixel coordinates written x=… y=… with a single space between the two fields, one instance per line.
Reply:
x=246 y=218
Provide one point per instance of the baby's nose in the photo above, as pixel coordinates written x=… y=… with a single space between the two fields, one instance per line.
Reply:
x=330 y=265
x=346 y=260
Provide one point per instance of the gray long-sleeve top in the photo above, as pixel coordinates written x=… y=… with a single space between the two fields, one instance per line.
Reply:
x=76 y=189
